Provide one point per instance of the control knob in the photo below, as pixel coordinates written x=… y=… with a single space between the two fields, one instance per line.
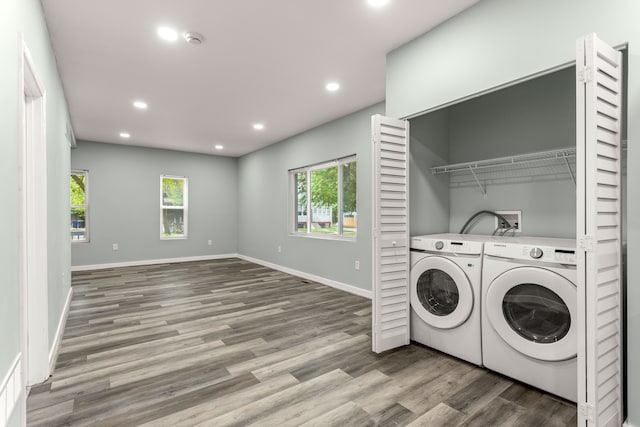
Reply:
x=536 y=253
x=439 y=244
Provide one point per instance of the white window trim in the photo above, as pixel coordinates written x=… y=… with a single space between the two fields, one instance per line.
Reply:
x=293 y=214
x=84 y=172
x=184 y=208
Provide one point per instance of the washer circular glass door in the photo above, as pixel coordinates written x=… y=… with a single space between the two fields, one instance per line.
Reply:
x=534 y=310
x=441 y=293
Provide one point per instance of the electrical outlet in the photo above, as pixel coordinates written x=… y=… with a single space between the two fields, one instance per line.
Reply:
x=279 y=249
x=115 y=247
x=357 y=265
x=513 y=217
x=209 y=242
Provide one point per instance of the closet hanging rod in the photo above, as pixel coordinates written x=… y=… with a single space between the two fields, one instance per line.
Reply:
x=558 y=154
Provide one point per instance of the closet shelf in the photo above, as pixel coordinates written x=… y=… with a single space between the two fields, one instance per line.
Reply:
x=541 y=156
x=541 y=163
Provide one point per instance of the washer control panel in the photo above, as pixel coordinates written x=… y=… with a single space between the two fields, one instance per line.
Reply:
x=440 y=244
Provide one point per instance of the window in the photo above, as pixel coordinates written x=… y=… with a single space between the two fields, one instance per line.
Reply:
x=324 y=198
x=79 y=206
x=173 y=207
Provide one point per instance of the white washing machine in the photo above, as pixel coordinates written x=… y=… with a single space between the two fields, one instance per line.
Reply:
x=446 y=270
x=529 y=312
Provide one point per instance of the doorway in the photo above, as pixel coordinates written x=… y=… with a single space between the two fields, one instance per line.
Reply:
x=32 y=221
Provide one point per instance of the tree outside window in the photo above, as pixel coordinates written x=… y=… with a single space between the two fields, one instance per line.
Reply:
x=349 y=187
x=301 y=202
x=325 y=198
x=79 y=206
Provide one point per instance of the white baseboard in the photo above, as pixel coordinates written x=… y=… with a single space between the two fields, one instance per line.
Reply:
x=334 y=284
x=150 y=262
x=11 y=390
x=53 y=353
x=627 y=424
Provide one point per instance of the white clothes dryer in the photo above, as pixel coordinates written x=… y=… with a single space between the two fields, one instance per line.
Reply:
x=446 y=270
x=529 y=312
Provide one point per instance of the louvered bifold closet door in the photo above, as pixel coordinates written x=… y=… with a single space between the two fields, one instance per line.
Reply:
x=390 y=305
x=599 y=103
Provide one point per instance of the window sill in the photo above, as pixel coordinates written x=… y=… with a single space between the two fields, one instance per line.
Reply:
x=174 y=238
x=325 y=237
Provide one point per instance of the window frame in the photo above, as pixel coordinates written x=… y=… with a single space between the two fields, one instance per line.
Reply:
x=85 y=173
x=184 y=207
x=293 y=203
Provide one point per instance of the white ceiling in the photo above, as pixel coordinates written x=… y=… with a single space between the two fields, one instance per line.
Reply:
x=263 y=61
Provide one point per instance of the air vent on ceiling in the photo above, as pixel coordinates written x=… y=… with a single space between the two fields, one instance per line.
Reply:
x=192 y=37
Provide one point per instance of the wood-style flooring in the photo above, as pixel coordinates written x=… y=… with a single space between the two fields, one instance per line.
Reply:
x=228 y=342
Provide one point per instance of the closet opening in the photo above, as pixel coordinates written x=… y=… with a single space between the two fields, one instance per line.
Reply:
x=511 y=149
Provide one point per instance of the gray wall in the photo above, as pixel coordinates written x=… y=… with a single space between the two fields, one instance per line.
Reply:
x=536 y=115
x=263 y=201
x=496 y=42
x=501 y=41
x=124 y=203
x=429 y=194
x=26 y=16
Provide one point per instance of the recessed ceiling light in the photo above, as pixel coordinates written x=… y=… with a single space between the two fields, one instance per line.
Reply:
x=378 y=3
x=125 y=135
x=140 y=105
x=219 y=147
x=332 y=86
x=168 y=34
x=258 y=126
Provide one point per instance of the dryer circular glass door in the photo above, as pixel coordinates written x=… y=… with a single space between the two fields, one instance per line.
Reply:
x=534 y=310
x=441 y=293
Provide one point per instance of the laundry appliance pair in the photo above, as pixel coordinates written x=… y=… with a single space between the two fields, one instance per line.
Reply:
x=508 y=303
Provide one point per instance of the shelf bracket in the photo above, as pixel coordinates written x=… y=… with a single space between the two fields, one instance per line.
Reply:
x=573 y=178
x=482 y=189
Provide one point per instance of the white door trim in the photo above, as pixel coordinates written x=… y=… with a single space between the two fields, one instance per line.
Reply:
x=32 y=188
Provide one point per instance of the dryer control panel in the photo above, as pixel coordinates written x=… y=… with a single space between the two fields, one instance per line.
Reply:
x=565 y=256
x=532 y=252
x=549 y=254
